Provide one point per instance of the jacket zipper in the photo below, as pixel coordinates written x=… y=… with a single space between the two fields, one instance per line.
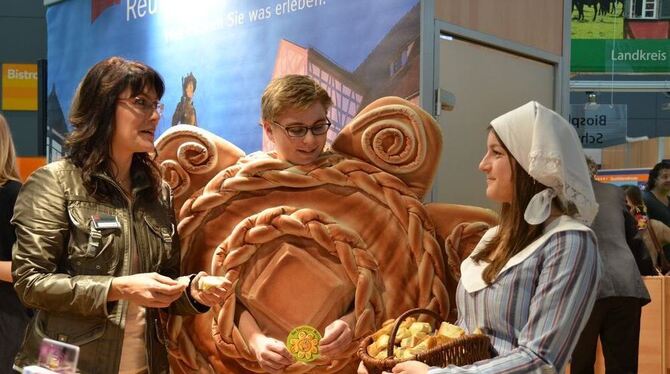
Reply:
x=133 y=251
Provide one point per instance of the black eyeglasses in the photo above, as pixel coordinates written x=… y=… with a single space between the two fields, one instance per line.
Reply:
x=147 y=106
x=300 y=131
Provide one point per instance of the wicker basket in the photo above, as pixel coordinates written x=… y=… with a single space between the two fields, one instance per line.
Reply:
x=465 y=350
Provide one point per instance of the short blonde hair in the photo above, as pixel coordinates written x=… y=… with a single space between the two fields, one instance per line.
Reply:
x=8 y=168
x=292 y=91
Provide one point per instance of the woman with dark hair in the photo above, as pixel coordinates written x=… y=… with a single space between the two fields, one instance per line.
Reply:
x=13 y=315
x=656 y=194
x=531 y=281
x=97 y=254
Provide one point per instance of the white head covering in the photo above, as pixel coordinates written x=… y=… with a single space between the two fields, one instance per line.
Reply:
x=548 y=149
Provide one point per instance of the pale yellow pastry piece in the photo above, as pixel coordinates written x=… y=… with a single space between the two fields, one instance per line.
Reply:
x=385 y=330
x=381 y=355
x=478 y=331
x=424 y=345
x=450 y=331
x=383 y=341
x=407 y=322
x=405 y=355
x=378 y=345
x=403 y=333
x=373 y=349
x=413 y=341
x=420 y=335
x=207 y=282
x=419 y=327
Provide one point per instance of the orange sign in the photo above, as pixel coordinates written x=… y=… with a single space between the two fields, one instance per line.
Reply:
x=623 y=176
x=29 y=164
x=19 y=86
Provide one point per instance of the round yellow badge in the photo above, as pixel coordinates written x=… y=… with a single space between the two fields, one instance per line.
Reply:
x=303 y=343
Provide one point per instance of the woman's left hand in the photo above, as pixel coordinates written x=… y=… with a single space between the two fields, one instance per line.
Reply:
x=336 y=338
x=410 y=367
x=209 y=295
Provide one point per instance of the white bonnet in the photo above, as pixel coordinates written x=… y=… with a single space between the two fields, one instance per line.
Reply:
x=548 y=149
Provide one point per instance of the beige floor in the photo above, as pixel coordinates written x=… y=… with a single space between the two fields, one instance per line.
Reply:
x=654 y=357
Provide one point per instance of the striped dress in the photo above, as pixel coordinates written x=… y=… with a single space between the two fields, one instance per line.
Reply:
x=537 y=306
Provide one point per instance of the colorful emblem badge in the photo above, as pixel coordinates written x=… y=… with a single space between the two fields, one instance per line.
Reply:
x=303 y=343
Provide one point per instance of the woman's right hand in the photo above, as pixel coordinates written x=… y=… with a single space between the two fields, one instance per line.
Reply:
x=150 y=290
x=271 y=354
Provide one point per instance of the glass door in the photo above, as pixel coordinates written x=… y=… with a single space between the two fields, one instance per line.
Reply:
x=486 y=82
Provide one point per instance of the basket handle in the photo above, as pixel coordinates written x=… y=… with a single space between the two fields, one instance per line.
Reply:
x=398 y=321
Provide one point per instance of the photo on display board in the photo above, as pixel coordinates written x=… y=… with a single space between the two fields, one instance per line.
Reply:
x=216 y=57
x=617 y=41
x=620 y=36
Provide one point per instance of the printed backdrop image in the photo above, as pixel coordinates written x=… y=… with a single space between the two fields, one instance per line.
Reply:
x=217 y=56
x=620 y=36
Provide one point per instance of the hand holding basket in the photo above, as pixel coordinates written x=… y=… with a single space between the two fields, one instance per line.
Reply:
x=465 y=350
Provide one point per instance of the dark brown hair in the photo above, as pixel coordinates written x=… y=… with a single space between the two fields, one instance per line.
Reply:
x=514 y=232
x=93 y=118
x=190 y=78
x=634 y=194
x=655 y=172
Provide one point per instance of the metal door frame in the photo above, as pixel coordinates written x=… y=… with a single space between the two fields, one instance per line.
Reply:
x=429 y=79
x=432 y=29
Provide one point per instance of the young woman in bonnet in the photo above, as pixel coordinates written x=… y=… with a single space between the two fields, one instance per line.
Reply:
x=531 y=282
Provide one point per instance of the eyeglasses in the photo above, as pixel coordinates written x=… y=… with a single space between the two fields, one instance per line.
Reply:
x=145 y=105
x=300 y=131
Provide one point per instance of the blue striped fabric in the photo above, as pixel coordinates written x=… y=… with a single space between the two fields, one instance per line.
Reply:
x=534 y=311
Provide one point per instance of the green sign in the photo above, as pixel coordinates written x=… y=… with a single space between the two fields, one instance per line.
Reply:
x=620 y=55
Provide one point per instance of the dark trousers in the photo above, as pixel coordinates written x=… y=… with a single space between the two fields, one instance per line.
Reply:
x=617 y=321
x=13 y=321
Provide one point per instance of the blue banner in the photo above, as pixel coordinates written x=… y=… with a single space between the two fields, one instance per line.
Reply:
x=358 y=50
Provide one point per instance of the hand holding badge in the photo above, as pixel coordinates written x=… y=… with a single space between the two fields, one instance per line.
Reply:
x=303 y=343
